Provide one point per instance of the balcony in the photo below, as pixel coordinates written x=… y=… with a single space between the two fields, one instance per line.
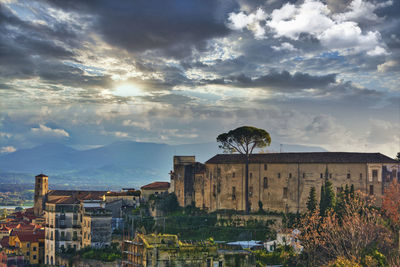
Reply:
x=64 y=238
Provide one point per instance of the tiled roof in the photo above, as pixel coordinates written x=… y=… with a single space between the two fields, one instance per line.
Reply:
x=124 y=193
x=4 y=242
x=31 y=236
x=78 y=194
x=304 y=157
x=63 y=200
x=156 y=185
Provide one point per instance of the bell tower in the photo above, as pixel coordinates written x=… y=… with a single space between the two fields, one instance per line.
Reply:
x=41 y=190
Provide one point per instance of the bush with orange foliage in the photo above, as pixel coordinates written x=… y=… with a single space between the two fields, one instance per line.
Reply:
x=359 y=230
x=391 y=203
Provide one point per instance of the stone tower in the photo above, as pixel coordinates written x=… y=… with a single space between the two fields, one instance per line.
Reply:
x=41 y=190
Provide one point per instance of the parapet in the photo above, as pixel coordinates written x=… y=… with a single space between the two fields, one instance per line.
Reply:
x=184 y=160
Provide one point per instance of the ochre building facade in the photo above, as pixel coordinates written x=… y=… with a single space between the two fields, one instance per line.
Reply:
x=280 y=181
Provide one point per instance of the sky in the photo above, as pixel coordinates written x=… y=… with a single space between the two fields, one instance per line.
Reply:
x=90 y=73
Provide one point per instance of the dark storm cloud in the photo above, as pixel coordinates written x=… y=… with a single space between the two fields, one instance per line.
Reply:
x=55 y=73
x=25 y=49
x=174 y=27
x=284 y=81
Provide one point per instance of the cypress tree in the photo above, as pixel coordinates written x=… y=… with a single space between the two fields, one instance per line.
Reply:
x=330 y=201
x=352 y=191
x=341 y=199
x=312 y=200
x=322 y=201
x=347 y=192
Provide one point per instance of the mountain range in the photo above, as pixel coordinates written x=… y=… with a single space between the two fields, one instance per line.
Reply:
x=113 y=166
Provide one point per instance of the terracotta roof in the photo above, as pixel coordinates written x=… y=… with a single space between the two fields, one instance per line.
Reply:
x=29 y=211
x=63 y=200
x=5 y=228
x=304 y=157
x=31 y=236
x=156 y=185
x=4 y=242
x=124 y=193
x=78 y=194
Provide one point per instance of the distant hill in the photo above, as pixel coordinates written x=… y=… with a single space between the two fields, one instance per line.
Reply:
x=120 y=164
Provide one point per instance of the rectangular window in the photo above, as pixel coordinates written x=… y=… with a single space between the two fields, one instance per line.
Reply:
x=290 y=175
x=214 y=187
x=374 y=174
x=265 y=167
x=218 y=172
x=251 y=175
x=348 y=176
x=34 y=248
x=330 y=176
x=233 y=192
x=279 y=175
x=371 y=190
x=233 y=174
x=360 y=176
x=265 y=182
x=321 y=175
x=304 y=175
x=285 y=192
x=34 y=257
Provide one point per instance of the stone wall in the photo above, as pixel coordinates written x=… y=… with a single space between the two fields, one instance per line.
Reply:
x=279 y=187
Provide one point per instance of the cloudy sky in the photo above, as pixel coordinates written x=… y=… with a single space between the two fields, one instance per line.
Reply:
x=89 y=73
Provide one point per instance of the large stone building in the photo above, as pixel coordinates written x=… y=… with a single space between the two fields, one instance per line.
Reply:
x=155 y=188
x=280 y=181
x=74 y=219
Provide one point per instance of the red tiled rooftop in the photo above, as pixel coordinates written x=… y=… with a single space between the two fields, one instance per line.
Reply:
x=4 y=242
x=77 y=194
x=124 y=193
x=31 y=236
x=156 y=185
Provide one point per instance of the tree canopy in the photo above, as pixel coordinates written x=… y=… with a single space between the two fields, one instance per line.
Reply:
x=312 y=200
x=244 y=140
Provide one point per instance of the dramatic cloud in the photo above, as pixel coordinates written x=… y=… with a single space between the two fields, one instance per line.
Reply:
x=175 y=27
x=89 y=73
x=339 y=31
x=283 y=81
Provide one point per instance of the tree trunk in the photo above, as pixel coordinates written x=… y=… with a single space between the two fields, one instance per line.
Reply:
x=246 y=186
